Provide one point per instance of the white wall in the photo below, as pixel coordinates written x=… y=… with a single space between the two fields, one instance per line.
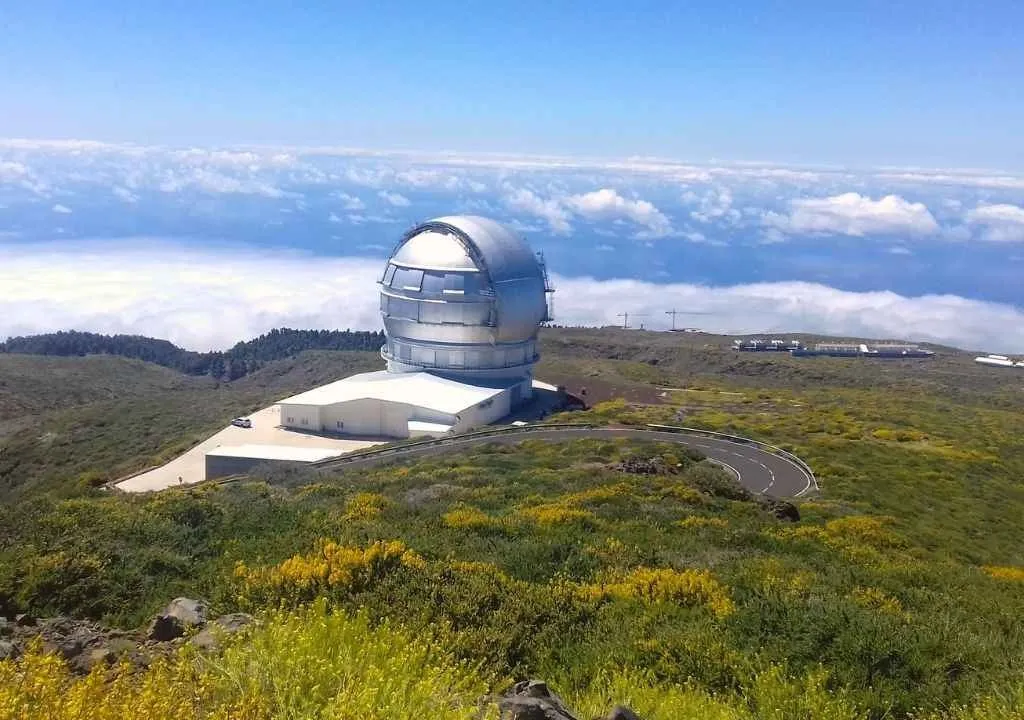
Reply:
x=357 y=417
x=476 y=416
x=301 y=417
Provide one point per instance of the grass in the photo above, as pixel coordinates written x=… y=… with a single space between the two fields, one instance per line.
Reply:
x=137 y=415
x=898 y=594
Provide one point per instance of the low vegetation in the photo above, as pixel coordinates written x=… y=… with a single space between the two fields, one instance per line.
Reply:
x=897 y=594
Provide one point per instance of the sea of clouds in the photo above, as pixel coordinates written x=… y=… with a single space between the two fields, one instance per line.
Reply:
x=206 y=247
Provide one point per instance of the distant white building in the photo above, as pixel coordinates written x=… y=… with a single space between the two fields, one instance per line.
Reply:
x=461 y=298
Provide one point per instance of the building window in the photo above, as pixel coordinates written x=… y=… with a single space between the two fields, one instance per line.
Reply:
x=454 y=283
x=401 y=308
x=305 y=421
x=341 y=425
x=389 y=274
x=291 y=421
x=408 y=279
x=433 y=283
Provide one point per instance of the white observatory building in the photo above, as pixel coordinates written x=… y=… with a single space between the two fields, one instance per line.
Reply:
x=461 y=298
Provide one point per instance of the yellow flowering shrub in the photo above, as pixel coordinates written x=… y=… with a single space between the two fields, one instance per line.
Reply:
x=696 y=522
x=683 y=493
x=330 y=567
x=686 y=587
x=604 y=493
x=861 y=538
x=773 y=576
x=310 y=663
x=365 y=506
x=864 y=530
x=549 y=514
x=467 y=517
x=1015 y=574
x=877 y=600
x=482 y=568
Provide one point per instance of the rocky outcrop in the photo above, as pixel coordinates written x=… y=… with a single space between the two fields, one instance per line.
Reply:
x=181 y=615
x=84 y=644
x=534 y=700
x=781 y=509
x=209 y=638
x=645 y=466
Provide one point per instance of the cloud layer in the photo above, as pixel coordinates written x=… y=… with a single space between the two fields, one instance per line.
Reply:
x=857 y=215
x=212 y=298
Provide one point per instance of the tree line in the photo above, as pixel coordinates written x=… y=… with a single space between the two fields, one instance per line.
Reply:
x=240 y=360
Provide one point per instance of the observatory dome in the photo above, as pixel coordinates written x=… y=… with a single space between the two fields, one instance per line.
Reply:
x=463 y=296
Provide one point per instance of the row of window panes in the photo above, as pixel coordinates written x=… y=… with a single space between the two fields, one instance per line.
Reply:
x=431 y=282
x=433 y=357
x=460 y=313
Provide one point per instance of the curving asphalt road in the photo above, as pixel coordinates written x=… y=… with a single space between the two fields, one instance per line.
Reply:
x=757 y=470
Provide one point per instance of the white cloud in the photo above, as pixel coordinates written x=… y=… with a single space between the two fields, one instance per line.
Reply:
x=800 y=307
x=550 y=210
x=962 y=179
x=361 y=219
x=899 y=250
x=1000 y=223
x=855 y=214
x=122 y=287
x=607 y=204
x=716 y=206
x=394 y=199
x=61 y=209
x=124 y=194
x=349 y=202
x=209 y=180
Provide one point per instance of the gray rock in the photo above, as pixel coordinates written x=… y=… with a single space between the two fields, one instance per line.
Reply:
x=165 y=628
x=191 y=613
x=781 y=509
x=8 y=650
x=181 y=615
x=209 y=637
x=25 y=620
x=622 y=713
x=533 y=700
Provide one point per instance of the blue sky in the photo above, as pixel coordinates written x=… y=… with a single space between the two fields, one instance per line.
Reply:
x=851 y=169
x=869 y=83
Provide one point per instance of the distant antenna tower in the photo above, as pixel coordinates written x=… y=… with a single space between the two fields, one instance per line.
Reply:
x=673 y=312
x=625 y=318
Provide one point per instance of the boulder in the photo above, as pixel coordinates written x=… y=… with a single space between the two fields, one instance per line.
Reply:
x=25 y=620
x=180 y=615
x=7 y=650
x=781 y=509
x=533 y=700
x=165 y=628
x=209 y=637
x=191 y=613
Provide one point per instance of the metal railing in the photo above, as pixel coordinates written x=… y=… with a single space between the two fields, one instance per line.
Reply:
x=452 y=440
x=541 y=429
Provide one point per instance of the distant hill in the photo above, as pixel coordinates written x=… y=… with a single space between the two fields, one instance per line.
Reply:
x=244 y=358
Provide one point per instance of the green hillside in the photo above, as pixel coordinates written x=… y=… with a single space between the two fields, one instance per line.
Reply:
x=898 y=593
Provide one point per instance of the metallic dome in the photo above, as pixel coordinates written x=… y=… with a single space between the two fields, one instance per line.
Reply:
x=463 y=296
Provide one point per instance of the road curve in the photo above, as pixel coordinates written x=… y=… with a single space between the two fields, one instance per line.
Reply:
x=759 y=471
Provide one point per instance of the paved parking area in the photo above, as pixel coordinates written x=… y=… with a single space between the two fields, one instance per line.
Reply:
x=190 y=467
